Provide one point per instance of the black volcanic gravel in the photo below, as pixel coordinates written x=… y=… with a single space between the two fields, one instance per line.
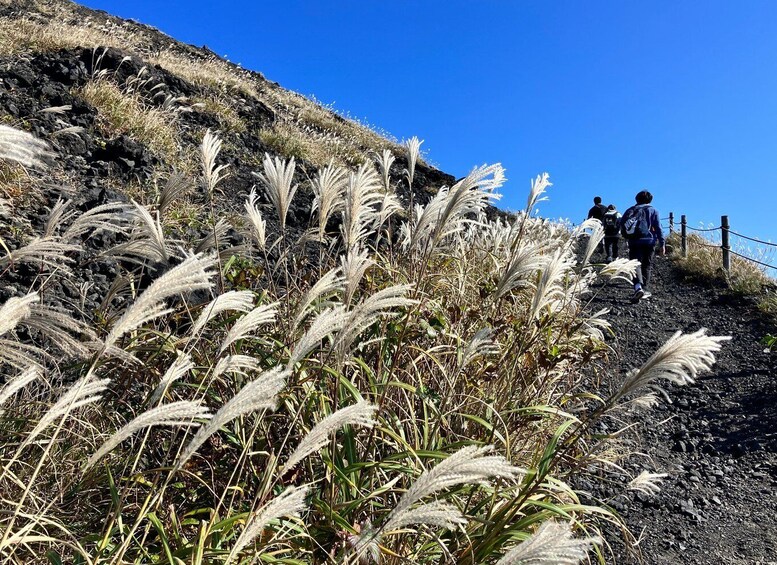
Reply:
x=717 y=439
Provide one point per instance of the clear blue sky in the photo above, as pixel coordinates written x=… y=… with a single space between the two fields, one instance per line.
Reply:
x=609 y=97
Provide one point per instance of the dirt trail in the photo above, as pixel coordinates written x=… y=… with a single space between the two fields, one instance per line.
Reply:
x=718 y=437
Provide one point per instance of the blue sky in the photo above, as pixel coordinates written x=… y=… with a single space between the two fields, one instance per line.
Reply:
x=609 y=97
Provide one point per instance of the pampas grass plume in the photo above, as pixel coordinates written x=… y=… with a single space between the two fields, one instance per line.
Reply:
x=181 y=413
x=260 y=394
x=360 y=414
x=290 y=502
x=551 y=543
x=192 y=274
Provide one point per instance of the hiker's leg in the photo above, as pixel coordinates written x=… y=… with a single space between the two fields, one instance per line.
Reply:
x=608 y=247
x=635 y=253
x=615 y=244
x=647 y=263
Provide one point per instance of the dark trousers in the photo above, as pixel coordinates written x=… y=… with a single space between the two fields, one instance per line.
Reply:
x=644 y=253
x=611 y=246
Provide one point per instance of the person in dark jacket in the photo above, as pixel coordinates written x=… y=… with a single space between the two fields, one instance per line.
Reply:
x=612 y=226
x=598 y=209
x=641 y=227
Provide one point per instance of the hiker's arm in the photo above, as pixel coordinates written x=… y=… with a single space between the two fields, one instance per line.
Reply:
x=659 y=232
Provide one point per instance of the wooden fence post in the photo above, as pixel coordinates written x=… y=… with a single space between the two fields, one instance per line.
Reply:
x=671 y=222
x=724 y=227
x=683 y=236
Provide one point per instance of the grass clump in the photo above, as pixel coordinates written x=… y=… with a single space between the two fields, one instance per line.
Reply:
x=704 y=263
x=122 y=112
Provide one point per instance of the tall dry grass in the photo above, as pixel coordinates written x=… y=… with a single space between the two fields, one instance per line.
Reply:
x=417 y=397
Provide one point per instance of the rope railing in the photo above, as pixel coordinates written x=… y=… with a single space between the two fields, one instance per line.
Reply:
x=767 y=265
x=724 y=245
x=762 y=242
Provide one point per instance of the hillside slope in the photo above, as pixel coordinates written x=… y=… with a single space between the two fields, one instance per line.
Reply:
x=123 y=105
x=716 y=440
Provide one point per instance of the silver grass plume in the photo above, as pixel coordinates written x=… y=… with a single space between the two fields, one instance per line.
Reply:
x=290 y=502
x=595 y=325
x=524 y=262
x=679 y=360
x=57 y=326
x=384 y=161
x=260 y=394
x=18 y=382
x=234 y=300
x=258 y=224
x=549 y=291
x=46 y=252
x=216 y=234
x=326 y=323
x=58 y=214
x=362 y=194
x=620 y=268
x=594 y=238
x=21 y=355
x=21 y=147
x=84 y=391
x=209 y=152
x=468 y=465
x=278 y=179
x=413 y=147
x=354 y=265
x=360 y=414
x=194 y=273
x=176 y=187
x=480 y=345
x=177 y=369
x=447 y=212
x=538 y=188
x=112 y=217
x=369 y=311
x=16 y=309
x=328 y=187
x=551 y=543
x=244 y=326
x=148 y=242
x=181 y=413
x=330 y=282
x=647 y=483
x=236 y=364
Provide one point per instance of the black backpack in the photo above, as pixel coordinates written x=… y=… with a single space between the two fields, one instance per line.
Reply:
x=635 y=223
x=610 y=223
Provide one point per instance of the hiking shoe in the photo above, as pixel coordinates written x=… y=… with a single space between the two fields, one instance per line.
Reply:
x=646 y=294
x=638 y=294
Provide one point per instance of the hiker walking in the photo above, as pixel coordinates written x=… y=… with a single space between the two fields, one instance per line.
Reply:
x=597 y=210
x=612 y=224
x=641 y=227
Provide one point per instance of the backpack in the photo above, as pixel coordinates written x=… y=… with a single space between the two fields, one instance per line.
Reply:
x=635 y=223
x=610 y=223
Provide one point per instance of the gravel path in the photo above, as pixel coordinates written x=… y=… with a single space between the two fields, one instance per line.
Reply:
x=717 y=439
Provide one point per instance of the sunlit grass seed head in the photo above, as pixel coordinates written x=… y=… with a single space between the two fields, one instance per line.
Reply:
x=551 y=543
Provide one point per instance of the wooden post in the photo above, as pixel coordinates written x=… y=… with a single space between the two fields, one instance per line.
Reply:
x=671 y=222
x=683 y=236
x=724 y=227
